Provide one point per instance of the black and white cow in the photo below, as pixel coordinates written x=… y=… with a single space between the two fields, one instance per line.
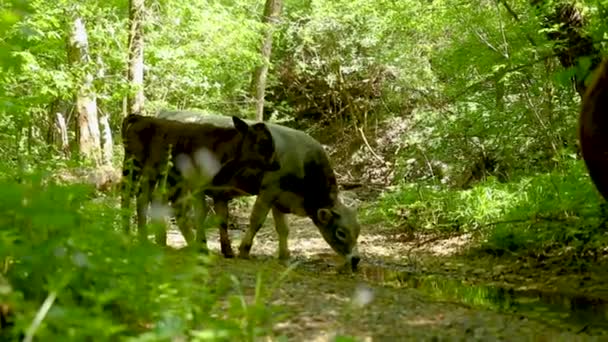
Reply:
x=304 y=185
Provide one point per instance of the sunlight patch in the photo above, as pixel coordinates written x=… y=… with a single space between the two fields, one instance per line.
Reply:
x=159 y=211
x=363 y=296
x=207 y=162
x=184 y=165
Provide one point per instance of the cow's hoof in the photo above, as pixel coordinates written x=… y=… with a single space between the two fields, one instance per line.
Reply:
x=354 y=262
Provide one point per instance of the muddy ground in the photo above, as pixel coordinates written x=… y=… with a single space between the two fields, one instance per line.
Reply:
x=433 y=292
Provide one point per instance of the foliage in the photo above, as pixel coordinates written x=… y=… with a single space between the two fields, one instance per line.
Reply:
x=490 y=145
x=201 y=54
x=332 y=62
x=558 y=208
x=57 y=241
x=507 y=111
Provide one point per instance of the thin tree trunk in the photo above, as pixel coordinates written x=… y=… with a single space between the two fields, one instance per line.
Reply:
x=106 y=139
x=136 y=55
x=86 y=100
x=62 y=131
x=272 y=10
x=104 y=122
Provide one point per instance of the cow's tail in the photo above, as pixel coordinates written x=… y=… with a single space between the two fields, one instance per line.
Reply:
x=130 y=173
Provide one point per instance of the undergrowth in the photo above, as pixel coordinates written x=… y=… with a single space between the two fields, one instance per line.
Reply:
x=69 y=273
x=533 y=212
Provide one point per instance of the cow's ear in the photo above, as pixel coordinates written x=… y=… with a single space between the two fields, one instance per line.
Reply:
x=240 y=125
x=262 y=130
x=324 y=215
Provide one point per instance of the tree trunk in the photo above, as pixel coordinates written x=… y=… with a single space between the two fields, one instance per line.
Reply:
x=86 y=100
x=106 y=139
x=571 y=44
x=272 y=10
x=136 y=56
x=62 y=132
x=104 y=122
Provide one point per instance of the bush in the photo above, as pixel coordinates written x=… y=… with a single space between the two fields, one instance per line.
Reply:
x=560 y=207
x=60 y=245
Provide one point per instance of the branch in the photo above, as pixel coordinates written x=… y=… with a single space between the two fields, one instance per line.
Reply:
x=513 y=69
x=368 y=146
x=516 y=17
x=44 y=309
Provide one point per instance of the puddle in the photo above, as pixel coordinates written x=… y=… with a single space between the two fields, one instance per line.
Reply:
x=576 y=313
x=580 y=314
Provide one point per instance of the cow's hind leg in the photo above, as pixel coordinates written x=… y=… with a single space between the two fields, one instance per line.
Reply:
x=280 y=224
x=184 y=222
x=221 y=209
x=200 y=216
x=143 y=201
x=128 y=187
x=258 y=216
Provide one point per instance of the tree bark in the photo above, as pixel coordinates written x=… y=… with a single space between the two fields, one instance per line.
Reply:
x=107 y=150
x=571 y=44
x=106 y=139
x=86 y=99
x=136 y=56
x=62 y=132
x=272 y=10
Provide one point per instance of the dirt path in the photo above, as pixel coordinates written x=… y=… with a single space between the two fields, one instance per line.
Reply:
x=314 y=303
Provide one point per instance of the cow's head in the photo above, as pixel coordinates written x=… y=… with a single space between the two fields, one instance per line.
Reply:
x=340 y=228
x=257 y=148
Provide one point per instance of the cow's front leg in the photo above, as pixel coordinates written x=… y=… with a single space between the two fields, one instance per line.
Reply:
x=280 y=224
x=257 y=218
x=221 y=209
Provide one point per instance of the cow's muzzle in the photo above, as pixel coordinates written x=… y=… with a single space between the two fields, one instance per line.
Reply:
x=353 y=258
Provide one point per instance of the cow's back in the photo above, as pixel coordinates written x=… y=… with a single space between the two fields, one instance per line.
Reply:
x=305 y=185
x=294 y=148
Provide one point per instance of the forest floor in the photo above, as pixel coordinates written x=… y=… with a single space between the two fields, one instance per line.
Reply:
x=401 y=292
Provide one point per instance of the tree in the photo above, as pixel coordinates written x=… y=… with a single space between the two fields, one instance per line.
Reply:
x=272 y=10
x=104 y=121
x=86 y=100
x=565 y=27
x=136 y=55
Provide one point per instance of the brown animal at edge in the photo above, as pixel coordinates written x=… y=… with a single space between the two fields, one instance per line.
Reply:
x=593 y=129
x=151 y=143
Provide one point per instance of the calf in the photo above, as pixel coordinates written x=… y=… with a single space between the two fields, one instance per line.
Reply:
x=304 y=185
x=193 y=149
x=593 y=129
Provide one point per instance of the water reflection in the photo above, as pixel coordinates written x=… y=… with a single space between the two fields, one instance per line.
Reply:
x=576 y=312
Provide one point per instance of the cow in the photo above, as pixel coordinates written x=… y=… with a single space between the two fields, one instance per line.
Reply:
x=191 y=157
x=593 y=129
x=304 y=185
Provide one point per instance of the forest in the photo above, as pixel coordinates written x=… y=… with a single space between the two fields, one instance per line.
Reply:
x=399 y=170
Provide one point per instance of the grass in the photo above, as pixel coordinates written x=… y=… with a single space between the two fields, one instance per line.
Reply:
x=71 y=274
x=557 y=208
